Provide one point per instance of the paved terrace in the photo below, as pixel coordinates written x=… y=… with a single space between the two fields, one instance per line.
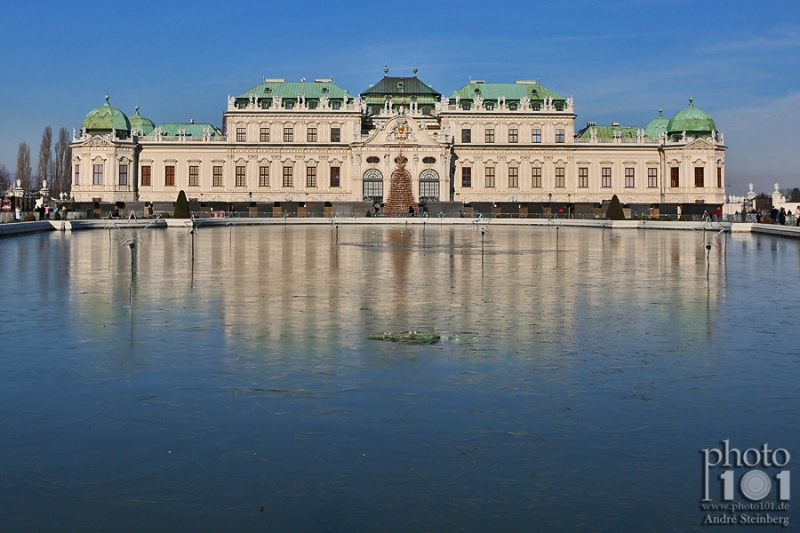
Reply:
x=17 y=228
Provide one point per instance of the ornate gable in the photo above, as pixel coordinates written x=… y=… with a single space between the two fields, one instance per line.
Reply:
x=99 y=141
x=402 y=129
x=700 y=144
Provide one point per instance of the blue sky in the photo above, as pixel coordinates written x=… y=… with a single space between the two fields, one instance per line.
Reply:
x=621 y=60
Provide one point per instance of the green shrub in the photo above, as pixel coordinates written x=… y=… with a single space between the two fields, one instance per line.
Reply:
x=181 y=209
x=164 y=215
x=614 y=211
x=29 y=218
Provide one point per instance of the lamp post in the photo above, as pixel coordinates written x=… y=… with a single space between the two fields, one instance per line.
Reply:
x=569 y=205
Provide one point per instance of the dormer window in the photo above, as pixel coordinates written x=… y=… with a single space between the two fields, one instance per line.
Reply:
x=337 y=104
x=267 y=90
x=465 y=106
x=312 y=104
x=324 y=89
x=512 y=107
x=289 y=104
x=559 y=107
x=489 y=106
x=401 y=86
x=537 y=107
x=265 y=104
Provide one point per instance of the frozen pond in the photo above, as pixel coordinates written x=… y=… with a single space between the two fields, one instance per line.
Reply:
x=579 y=375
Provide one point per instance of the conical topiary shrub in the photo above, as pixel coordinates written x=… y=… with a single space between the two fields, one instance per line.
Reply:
x=181 y=206
x=614 y=211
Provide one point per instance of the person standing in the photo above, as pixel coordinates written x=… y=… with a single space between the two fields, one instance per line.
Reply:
x=18 y=214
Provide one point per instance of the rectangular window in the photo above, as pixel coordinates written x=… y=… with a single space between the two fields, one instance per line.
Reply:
x=146 y=174
x=719 y=178
x=561 y=180
x=311 y=177
x=336 y=135
x=194 y=176
x=583 y=177
x=513 y=177
x=288 y=135
x=536 y=136
x=513 y=135
x=169 y=176
x=335 y=177
x=605 y=177
x=263 y=135
x=241 y=135
x=337 y=104
x=674 y=177
x=288 y=173
x=216 y=178
x=629 y=177
x=123 y=174
x=536 y=177
x=699 y=176
x=311 y=135
x=241 y=176
x=489 y=176
x=559 y=136
x=97 y=175
x=465 y=106
x=77 y=174
x=652 y=178
x=466 y=176
x=490 y=135
x=263 y=176
x=289 y=104
x=466 y=135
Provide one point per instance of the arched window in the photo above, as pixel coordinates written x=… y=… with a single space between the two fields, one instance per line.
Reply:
x=429 y=186
x=373 y=186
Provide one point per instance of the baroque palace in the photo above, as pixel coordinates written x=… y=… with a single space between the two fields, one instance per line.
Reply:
x=312 y=142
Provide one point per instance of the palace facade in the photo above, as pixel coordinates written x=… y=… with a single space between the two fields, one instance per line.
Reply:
x=313 y=142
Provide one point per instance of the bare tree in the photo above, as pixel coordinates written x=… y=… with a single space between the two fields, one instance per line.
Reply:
x=62 y=165
x=45 y=157
x=5 y=179
x=24 y=165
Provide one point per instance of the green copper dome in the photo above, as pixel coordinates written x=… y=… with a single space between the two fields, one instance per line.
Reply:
x=657 y=126
x=141 y=125
x=106 y=118
x=695 y=122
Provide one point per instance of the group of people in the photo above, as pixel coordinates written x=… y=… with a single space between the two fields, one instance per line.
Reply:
x=44 y=211
x=774 y=216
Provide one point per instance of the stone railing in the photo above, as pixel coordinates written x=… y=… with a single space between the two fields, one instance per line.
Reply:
x=183 y=139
